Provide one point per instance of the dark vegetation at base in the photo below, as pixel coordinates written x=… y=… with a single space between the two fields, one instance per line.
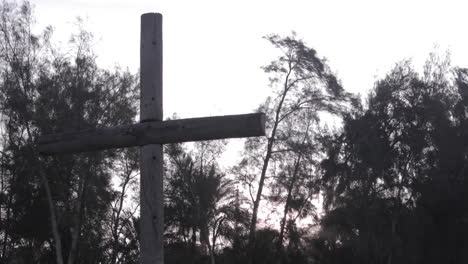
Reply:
x=393 y=178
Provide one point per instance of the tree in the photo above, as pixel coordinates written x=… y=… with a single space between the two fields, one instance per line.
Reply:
x=123 y=239
x=295 y=181
x=301 y=82
x=43 y=91
x=200 y=198
x=394 y=178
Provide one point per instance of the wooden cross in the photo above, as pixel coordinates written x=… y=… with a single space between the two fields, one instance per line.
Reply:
x=149 y=134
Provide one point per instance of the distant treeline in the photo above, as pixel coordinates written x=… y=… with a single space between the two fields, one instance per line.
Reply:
x=393 y=177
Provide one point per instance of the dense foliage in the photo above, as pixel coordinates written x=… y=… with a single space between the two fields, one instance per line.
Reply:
x=56 y=208
x=395 y=178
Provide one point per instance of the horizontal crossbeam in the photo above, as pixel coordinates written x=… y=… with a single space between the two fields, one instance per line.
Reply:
x=155 y=132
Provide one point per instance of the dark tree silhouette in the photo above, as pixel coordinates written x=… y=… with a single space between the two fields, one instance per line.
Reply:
x=394 y=180
x=56 y=206
x=201 y=203
x=302 y=83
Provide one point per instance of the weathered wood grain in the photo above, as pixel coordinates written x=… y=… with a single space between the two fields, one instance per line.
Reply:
x=156 y=132
x=151 y=156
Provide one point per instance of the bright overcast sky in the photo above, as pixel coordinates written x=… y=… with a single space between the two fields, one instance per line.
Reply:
x=213 y=50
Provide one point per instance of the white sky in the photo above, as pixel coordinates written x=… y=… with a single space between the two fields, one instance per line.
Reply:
x=213 y=50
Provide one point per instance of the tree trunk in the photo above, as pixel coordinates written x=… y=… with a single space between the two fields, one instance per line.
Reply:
x=5 y=238
x=115 y=231
x=212 y=255
x=271 y=141
x=77 y=219
x=290 y=188
x=286 y=205
x=194 y=243
x=53 y=219
x=205 y=239
x=253 y=223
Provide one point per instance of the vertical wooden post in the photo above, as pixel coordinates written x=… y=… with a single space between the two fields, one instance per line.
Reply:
x=151 y=157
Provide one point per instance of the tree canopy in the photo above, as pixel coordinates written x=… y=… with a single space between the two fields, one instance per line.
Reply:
x=394 y=180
